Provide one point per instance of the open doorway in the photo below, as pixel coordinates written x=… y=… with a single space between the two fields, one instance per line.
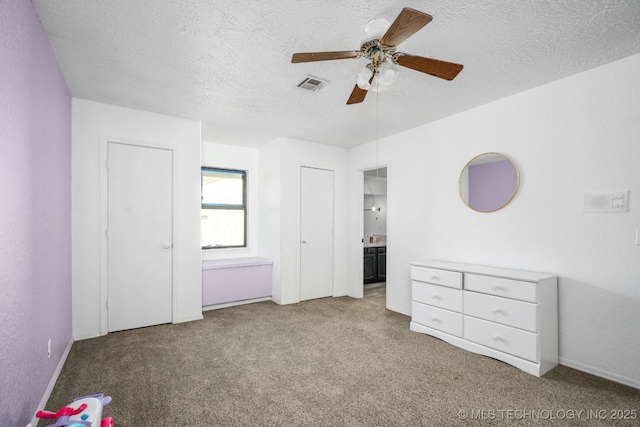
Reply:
x=375 y=233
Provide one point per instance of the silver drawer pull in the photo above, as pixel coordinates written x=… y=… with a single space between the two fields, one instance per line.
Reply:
x=495 y=287
x=434 y=278
x=496 y=337
x=495 y=310
x=435 y=296
x=434 y=318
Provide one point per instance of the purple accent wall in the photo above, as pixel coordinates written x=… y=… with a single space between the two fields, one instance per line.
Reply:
x=491 y=185
x=35 y=212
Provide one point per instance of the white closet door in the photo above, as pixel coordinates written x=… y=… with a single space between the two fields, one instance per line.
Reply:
x=139 y=234
x=316 y=233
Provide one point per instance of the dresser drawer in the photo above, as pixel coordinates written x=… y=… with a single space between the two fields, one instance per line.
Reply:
x=510 y=312
x=508 y=288
x=503 y=338
x=439 y=296
x=437 y=318
x=452 y=279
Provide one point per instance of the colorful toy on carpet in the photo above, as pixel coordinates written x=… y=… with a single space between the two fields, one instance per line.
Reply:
x=83 y=412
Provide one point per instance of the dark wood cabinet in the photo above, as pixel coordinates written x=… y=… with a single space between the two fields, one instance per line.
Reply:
x=375 y=265
x=370 y=273
x=382 y=264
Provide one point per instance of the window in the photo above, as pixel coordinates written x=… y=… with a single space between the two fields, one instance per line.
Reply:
x=224 y=208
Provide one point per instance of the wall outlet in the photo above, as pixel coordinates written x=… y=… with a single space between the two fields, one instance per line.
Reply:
x=49 y=348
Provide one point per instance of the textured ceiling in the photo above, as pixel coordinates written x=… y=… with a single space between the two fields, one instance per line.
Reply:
x=227 y=63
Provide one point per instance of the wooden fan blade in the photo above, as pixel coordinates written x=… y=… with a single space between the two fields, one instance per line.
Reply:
x=357 y=95
x=406 y=24
x=324 y=56
x=442 y=69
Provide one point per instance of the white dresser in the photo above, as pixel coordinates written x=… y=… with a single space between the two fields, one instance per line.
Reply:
x=509 y=315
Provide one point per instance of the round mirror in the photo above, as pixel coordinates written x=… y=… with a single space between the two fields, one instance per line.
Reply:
x=488 y=182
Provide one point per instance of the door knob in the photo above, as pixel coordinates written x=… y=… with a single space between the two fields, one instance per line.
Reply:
x=167 y=245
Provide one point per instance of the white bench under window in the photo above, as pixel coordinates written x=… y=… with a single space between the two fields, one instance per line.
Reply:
x=233 y=280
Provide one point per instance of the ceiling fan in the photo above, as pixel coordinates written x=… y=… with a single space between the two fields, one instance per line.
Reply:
x=379 y=46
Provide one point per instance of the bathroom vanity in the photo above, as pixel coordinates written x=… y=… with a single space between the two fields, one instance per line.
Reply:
x=375 y=264
x=375 y=259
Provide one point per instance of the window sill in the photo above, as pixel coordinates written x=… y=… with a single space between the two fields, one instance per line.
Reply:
x=227 y=253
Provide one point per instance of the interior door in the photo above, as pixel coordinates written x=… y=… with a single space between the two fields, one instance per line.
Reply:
x=139 y=236
x=316 y=233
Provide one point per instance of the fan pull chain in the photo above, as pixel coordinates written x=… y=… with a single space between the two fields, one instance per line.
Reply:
x=377 y=138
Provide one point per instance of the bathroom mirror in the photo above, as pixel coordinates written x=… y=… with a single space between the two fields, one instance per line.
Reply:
x=489 y=182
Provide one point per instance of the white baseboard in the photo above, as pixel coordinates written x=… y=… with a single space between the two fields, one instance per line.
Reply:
x=285 y=302
x=81 y=337
x=189 y=318
x=52 y=383
x=234 y=303
x=599 y=373
x=398 y=310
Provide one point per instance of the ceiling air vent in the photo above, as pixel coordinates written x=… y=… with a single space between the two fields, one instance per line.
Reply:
x=311 y=83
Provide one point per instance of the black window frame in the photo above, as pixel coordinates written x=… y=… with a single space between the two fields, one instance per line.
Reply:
x=215 y=206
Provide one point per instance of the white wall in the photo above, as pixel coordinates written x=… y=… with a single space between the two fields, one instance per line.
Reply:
x=92 y=122
x=270 y=213
x=281 y=161
x=239 y=158
x=574 y=135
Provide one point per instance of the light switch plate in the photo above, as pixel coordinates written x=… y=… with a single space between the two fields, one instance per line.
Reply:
x=605 y=201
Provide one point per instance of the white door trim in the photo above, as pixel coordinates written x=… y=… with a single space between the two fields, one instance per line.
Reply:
x=104 y=221
x=359 y=293
x=359 y=262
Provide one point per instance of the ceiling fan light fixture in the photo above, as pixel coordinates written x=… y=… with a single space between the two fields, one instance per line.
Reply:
x=364 y=77
x=379 y=87
x=374 y=30
x=387 y=73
